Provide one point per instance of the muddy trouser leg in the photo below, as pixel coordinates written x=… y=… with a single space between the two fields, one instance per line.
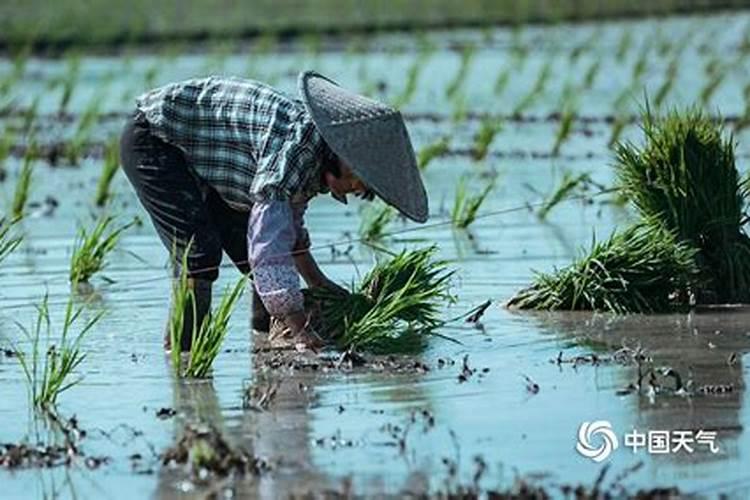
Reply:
x=176 y=204
x=232 y=227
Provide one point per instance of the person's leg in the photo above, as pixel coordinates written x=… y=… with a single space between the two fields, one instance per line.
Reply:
x=232 y=227
x=176 y=205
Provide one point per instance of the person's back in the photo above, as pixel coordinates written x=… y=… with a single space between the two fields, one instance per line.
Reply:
x=238 y=135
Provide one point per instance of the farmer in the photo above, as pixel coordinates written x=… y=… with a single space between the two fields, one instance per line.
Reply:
x=230 y=164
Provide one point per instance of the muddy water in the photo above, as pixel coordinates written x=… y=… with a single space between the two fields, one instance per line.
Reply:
x=388 y=432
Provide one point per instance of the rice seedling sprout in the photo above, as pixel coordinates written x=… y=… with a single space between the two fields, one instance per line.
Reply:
x=8 y=240
x=375 y=223
x=466 y=205
x=111 y=164
x=92 y=248
x=49 y=367
x=433 y=150
x=488 y=129
x=23 y=184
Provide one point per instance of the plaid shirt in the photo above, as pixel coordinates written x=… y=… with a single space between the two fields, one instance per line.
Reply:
x=261 y=151
x=246 y=139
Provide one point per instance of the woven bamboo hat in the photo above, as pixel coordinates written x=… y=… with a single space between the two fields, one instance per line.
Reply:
x=372 y=138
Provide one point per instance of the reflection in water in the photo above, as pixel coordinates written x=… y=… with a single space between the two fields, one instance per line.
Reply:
x=704 y=352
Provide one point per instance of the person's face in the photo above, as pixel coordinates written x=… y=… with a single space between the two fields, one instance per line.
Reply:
x=346 y=183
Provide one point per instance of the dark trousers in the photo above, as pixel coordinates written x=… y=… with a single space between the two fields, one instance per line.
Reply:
x=183 y=209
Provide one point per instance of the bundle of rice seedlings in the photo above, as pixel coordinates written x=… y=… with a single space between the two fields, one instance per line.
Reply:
x=393 y=309
x=8 y=241
x=643 y=269
x=48 y=368
x=92 y=248
x=466 y=206
x=684 y=177
x=375 y=222
x=566 y=126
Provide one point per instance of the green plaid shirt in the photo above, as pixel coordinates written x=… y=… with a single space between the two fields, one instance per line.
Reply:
x=246 y=139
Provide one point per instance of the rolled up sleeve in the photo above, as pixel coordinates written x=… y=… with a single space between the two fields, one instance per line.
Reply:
x=276 y=230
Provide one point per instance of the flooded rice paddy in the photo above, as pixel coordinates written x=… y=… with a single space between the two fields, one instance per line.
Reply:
x=508 y=399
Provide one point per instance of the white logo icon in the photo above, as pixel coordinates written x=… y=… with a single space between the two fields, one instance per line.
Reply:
x=589 y=430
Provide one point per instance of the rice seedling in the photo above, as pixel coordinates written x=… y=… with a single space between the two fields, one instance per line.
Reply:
x=375 y=223
x=8 y=240
x=111 y=164
x=48 y=368
x=711 y=86
x=75 y=146
x=584 y=46
x=640 y=65
x=488 y=129
x=570 y=183
x=92 y=248
x=670 y=77
x=460 y=108
x=503 y=78
x=431 y=151
x=412 y=79
x=6 y=143
x=537 y=89
x=466 y=205
x=69 y=81
x=454 y=85
x=639 y=270
x=566 y=126
x=591 y=73
x=618 y=125
x=211 y=333
x=23 y=184
x=685 y=177
x=30 y=114
x=623 y=46
x=394 y=308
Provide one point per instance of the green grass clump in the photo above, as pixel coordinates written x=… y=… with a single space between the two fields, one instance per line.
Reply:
x=393 y=309
x=466 y=206
x=111 y=164
x=23 y=184
x=432 y=151
x=684 y=177
x=375 y=223
x=48 y=368
x=8 y=241
x=92 y=248
x=640 y=270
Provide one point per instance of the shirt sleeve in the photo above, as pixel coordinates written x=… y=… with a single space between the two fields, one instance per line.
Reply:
x=275 y=230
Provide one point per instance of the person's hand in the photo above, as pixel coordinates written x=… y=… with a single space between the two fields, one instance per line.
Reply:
x=334 y=287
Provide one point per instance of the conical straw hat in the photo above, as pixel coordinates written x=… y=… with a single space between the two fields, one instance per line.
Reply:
x=372 y=138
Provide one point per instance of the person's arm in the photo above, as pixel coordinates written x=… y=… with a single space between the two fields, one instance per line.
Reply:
x=271 y=238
